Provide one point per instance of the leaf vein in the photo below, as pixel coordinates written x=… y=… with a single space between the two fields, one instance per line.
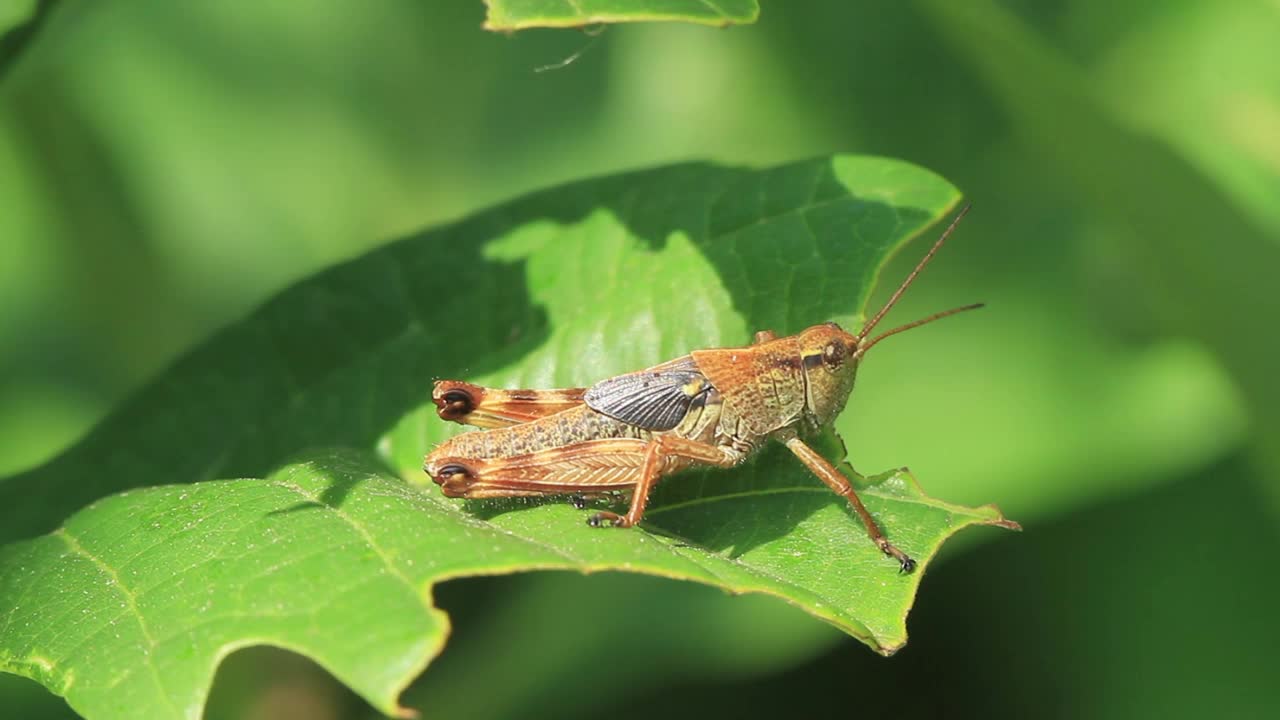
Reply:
x=362 y=531
x=718 y=11
x=132 y=599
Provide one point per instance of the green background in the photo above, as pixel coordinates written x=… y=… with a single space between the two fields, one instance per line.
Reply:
x=164 y=169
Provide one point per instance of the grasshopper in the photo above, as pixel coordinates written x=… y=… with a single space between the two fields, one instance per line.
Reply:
x=711 y=407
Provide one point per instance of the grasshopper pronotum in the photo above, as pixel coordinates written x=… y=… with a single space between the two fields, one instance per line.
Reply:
x=711 y=407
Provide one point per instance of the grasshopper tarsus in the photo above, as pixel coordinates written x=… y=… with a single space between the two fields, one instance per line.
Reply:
x=604 y=518
x=583 y=500
x=906 y=565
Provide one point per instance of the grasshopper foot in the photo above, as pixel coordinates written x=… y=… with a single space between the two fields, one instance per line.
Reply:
x=604 y=518
x=582 y=501
x=906 y=564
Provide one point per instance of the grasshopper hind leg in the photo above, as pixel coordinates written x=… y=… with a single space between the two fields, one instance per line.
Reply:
x=592 y=468
x=483 y=407
x=453 y=403
x=454 y=478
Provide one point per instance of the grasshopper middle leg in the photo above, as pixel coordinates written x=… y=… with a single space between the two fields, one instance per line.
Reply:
x=664 y=452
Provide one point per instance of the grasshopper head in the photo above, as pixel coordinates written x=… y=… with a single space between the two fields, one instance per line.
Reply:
x=829 y=356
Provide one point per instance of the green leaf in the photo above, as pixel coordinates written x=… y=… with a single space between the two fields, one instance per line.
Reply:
x=511 y=15
x=126 y=607
x=1199 y=286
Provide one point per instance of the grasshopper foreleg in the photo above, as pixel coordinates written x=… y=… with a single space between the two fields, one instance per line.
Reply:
x=837 y=482
x=664 y=452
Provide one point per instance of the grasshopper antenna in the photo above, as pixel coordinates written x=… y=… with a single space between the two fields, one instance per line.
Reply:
x=866 y=329
x=862 y=349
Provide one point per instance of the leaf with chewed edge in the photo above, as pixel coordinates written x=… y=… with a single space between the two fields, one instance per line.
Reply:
x=127 y=602
x=128 y=608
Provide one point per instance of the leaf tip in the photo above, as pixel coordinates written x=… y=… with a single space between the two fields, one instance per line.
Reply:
x=890 y=650
x=1005 y=522
x=399 y=711
x=996 y=518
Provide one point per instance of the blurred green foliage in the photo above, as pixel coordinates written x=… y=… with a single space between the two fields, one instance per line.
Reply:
x=165 y=167
x=523 y=14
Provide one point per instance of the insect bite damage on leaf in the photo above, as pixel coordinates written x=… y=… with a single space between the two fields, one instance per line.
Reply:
x=335 y=556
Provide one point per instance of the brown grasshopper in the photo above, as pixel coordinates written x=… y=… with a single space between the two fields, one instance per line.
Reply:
x=710 y=407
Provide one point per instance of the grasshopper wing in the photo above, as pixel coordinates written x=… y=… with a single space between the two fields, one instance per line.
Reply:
x=654 y=399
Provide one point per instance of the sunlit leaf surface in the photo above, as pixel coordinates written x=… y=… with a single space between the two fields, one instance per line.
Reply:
x=126 y=606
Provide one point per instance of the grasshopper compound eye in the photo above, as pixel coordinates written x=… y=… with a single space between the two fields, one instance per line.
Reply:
x=834 y=354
